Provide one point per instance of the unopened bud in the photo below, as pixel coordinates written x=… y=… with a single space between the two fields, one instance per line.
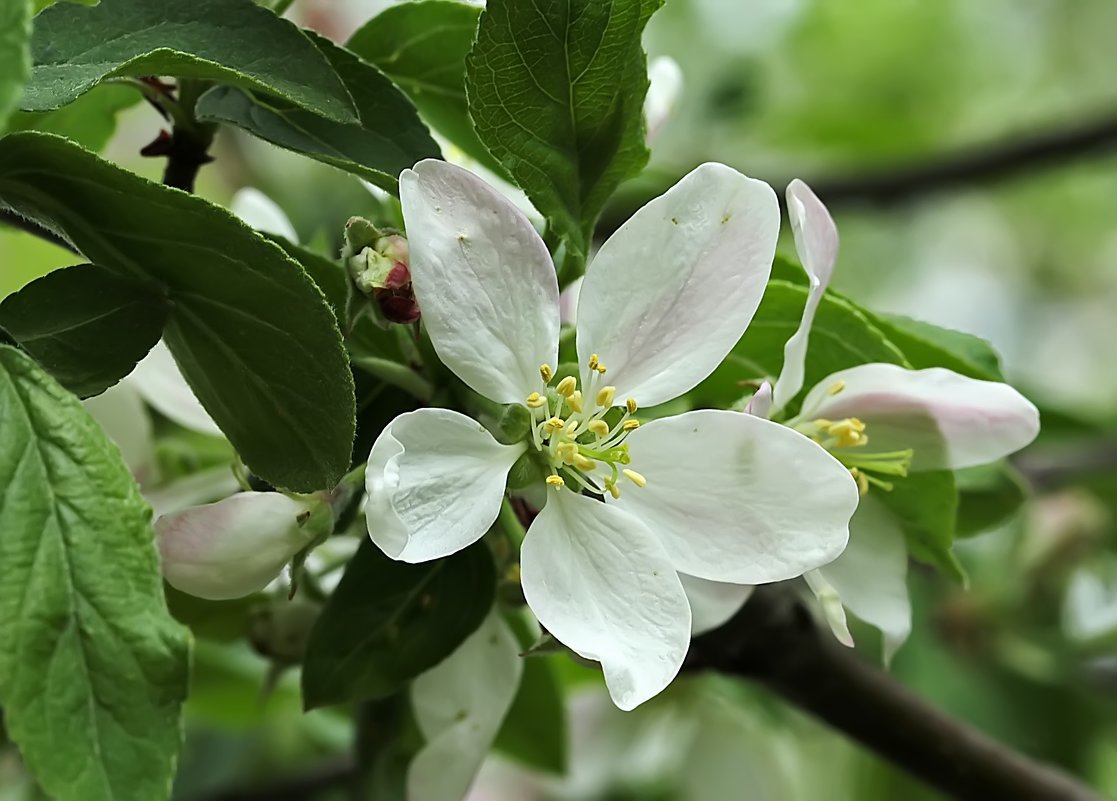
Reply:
x=237 y=546
x=380 y=270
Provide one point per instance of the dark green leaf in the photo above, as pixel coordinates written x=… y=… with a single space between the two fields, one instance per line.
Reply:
x=422 y=47
x=556 y=91
x=327 y=274
x=15 y=53
x=927 y=345
x=87 y=326
x=389 y=621
x=841 y=337
x=90 y=120
x=926 y=505
x=93 y=670
x=74 y=48
x=254 y=337
x=988 y=496
x=388 y=139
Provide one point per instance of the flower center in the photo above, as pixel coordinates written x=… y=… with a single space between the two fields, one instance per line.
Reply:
x=578 y=433
x=843 y=437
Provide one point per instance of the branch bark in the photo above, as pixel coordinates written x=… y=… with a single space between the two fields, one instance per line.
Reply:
x=774 y=640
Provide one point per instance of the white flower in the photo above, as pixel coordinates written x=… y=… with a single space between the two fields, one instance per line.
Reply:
x=720 y=496
x=237 y=546
x=882 y=419
x=262 y=213
x=665 y=84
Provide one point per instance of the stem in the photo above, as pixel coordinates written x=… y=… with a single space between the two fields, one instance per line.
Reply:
x=774 y=640
x=188 y=149
x=510 y=523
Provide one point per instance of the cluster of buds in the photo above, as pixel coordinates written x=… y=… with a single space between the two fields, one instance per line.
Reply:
x=377 y=261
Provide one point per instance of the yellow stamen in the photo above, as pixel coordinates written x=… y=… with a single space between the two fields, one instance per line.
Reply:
x=635 y=477
x=555 y=424
x=862 y=480
x=593 y=361
x=584 y=463
x=836 y=387
x=599 y=427
x=601 y=369
x=630 y=404
x=571 y=427
x=555 y=481
x=613 y=489
x=849 y=433
x=630 y=425
x=567 y=451
x=567 y=386
x=547 y=372
x=536 y=401
x=575 y=401
x=605 y=396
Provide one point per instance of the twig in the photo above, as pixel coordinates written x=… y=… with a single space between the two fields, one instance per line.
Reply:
x=1050 y=469
x=774 y=640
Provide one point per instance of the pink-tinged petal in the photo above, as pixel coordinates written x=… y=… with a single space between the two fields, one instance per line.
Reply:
x=672 y=291
x=950 y=420
x=459 y=706
x=760 y=404
x=599 y=581
x=816 y=243
x=712 y=603
x=484 y=280
x=435 y=481
x=739 y=499
x=231 y=548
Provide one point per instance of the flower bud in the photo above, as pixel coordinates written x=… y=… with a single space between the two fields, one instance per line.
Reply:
x=380 y=271
x=237 y=546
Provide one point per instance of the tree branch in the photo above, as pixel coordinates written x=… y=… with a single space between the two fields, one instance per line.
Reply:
x=977 y=164
x=774 y=640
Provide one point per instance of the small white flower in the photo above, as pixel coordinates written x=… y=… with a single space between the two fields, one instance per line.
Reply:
x=717 y=495
x=665 y=84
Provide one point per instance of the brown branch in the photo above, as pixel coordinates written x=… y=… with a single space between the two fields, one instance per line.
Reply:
x=904 y=182
x=774 y=640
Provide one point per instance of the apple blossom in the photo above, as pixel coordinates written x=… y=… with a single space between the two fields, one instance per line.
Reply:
x=631 y=505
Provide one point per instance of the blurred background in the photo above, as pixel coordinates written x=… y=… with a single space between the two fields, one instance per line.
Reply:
x=969 y=154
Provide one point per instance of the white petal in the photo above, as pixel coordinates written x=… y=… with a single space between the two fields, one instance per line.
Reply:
x=831 y=605
x=597 y=579
x=665 y=84
x=712 y=603
x=459 y=706
x=871 y=574
x=816 y=242
x=161 y=384
x=760 y=404
x=951 y=421
x=484 y=281
x=124 y=419
x=435 y=481
x=737 y=498
x=671 y=292
x=231 y=548
x=262 y=213
x=204 y=486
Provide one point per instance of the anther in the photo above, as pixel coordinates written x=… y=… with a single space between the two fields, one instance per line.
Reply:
x=584 y=463
x=836 y=387
x=593 y=363
x=605 y=396
x=546 y=372
x=613 y=489
x=630 y=404
x=536 y=401
x=635 y=477
x=555 y=423
x=571 y=427
x=599 y=427
x=575 y=401
x=600 y=369
x=630 y=425
x=555 y=481
x=567 y=451
x=567 y=386
x=861 y=479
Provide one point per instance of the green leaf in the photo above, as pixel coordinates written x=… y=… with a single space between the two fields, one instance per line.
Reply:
x=926 y=505
x=389 y=621
x=74 y=48
x=534 y=730
x=254 y=337
x=327 y=274
x=422 y=47
x=87 y=326
x=841 y=337
x=93 y=670
x=988 y=496
x=15 y=53
x=90 y=120
x=389 y=138
x=927 y=345
x=556 y=92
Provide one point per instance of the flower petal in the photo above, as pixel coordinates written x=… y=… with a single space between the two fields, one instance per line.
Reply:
x=123 y=417
x=459 y=706
x=950 y=420
x=671 y=292
x=231 y=548
x=162 y=386
x=262 y=213
x=737 y=498
x=816 y=243
x=484 y=280
x=871 y=574
x=597 y=579
x=712 y=602
x=435 y=481
x=665 y=84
